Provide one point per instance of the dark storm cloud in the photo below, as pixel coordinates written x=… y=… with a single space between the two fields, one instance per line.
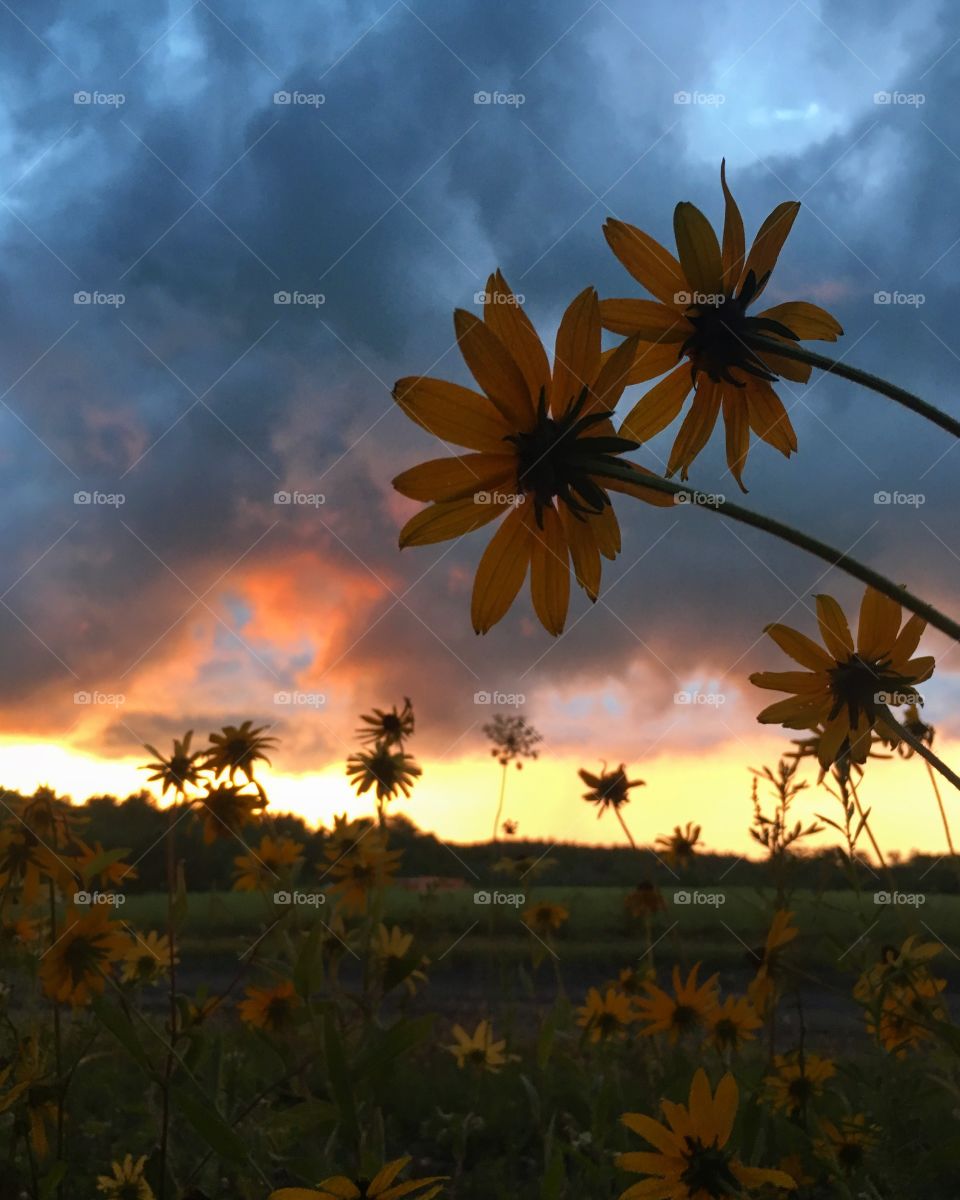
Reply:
x=200 y=197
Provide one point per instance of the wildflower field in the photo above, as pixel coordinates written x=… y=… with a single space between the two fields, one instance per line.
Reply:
x=360 y=618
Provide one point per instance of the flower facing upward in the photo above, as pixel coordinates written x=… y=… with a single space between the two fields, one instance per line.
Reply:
x=607 y=1016
x=381 y=1187
x=127 y=1181
x=480 y=1050
x=797 y=1079
x=75 y=967
x=365 y=867
x=846 y=687
x=545 y=918
x=609 y=789
x=146 y=959
x=261 y=867
x=700 y=314
x=237 y=748
x=272 y=1009
x=689 y=1008
x=732 y=1023
x=538 y=441
x=691 y=1159
x=181 y=770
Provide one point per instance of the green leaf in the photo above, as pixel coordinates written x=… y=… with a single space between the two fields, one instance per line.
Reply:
x=49 y=1182
x=209 y=1125
x=399 y=1039
x=308 y=969
x=116 y=1021
x=339 y=1077
x=101 y=862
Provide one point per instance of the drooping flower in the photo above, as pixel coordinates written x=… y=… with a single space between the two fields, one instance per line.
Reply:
x=688 y=1009
x=366 y=867
x=644 y=901
x=700 y=316
x=847 y=1142
x=389 y=771
x=691 y=1159
x=382 y=1186
x=846 y=687
x=127 y=1181
x=545 y=918
x=606 y=1016
x=25 y=863
x=393 y=947
x=479 y=1048
x=538 y=441
x=226 y=809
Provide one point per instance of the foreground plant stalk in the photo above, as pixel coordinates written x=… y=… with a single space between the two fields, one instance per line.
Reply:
x=803 y=541
x=855 y=375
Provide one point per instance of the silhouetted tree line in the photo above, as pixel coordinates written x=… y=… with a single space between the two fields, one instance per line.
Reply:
x=139 y=825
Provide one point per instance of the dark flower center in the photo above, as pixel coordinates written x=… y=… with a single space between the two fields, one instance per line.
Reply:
x=721 y=329
x=556 y=459
x=685 y=1016
x=864 y=686
x=708 y=1170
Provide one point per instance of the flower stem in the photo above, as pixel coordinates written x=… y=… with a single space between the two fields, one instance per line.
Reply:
x=887 y=717
x=625 y=828
x=943 y=811
x=855 y=375
x=628 y=474
x=503 y=788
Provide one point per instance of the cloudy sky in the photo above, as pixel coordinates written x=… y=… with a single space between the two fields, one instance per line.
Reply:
x=151 y=167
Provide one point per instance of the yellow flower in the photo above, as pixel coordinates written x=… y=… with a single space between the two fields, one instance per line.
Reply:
x=762 y=989
x=272 y=1009
x=381 y=1187
x=544 y=917
x=75 y=967
x=539 y=441
x=112 y=874
x=393 y=947
x=606 y=1016
x=797 y=1079
x=689 y=1008
x=847 y=1143
x=732 y=1023
x=26 y=1077
x=700 y=314
x=26 y=863
x=147 y=958
x=260 y=867
x=691 y=1159
x=387 y=727
x=180 y=770
x=127 y=1181
x=644 y=901
x=846 y=687
x=681 y=845
x=227 y=809
x=609 y=789
x=391 y=771
x=237 y=748
x=367 y=866
x=480 y=1050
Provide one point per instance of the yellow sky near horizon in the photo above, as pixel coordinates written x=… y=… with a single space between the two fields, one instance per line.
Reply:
x=456 y=799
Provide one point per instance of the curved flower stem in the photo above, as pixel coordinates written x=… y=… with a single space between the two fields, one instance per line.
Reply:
x=866 y=825
x=933 y=616
x=943 y=811
x=887 y=717
x=855 y=375
x=503 y=788
x=625 y=828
